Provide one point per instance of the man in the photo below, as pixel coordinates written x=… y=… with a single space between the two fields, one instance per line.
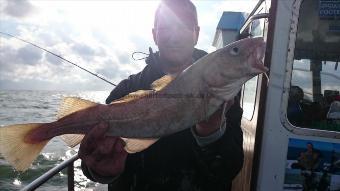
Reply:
x=308 y=162
x=309 y=159
x=205 y=157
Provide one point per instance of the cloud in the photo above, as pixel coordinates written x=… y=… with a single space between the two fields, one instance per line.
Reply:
x=124 y=59
x=18 y=8
x=29 y=55
x=13 y=60
x=7 y=54
x=113 y=70
x=83 y=50
x=53 y=59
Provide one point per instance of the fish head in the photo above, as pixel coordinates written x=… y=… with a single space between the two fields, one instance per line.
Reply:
x=234 y=64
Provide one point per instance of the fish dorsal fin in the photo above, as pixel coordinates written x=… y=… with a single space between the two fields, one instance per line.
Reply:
x=70 y=105
x=133 y=145
x=133 y=96
x=162 y=82
x=156 y=86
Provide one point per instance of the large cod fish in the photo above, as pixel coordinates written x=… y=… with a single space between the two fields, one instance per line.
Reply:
x=175 y=102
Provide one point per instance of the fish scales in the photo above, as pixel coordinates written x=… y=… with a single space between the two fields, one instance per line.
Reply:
x=170 y=110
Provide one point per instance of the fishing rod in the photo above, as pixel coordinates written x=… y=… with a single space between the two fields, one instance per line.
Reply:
x=94 y=74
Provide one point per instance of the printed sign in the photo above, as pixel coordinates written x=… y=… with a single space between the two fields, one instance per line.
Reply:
x=329 y=9
x=312 y=165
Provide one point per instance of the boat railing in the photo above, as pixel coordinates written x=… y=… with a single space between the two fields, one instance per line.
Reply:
x=55 y=170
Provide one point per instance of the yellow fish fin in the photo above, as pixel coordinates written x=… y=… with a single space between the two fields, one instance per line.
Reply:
x=70 y=105
x=156 y=86
x=162 y=82
x=133 y=96
x=133 y=145
x=13 y=148
x=72 y=140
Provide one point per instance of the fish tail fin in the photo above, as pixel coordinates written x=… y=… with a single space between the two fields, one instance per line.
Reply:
x=70 y=105
x=15 y=150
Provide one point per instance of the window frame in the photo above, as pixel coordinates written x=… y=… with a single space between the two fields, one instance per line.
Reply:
x=287 y=82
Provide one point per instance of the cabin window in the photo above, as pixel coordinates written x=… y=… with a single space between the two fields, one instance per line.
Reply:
x=314 y=98
x=257 y=28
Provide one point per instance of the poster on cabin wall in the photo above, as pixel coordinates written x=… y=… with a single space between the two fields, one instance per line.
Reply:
x=329 y=9
x=312 y=165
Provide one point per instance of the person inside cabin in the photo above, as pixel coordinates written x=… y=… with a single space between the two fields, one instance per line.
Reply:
x=295 y=113
x=203 y=157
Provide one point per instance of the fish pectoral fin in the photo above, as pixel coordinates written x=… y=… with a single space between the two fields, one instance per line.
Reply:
x=15 y=150
x=72 y=104
x=162 y=82
x=72 y=140
x=134 y=145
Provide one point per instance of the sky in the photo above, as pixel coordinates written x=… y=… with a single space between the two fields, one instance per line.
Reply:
x=97 y=35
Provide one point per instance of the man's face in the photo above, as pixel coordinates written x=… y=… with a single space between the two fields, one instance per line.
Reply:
x=175 y=39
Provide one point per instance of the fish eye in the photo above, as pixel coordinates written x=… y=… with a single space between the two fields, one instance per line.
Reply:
x=234 y=51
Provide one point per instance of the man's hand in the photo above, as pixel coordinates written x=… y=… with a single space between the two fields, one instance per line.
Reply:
x=103 y=154
x=207 y=127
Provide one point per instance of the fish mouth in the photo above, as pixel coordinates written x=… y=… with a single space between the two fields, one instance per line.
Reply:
x=257 y=57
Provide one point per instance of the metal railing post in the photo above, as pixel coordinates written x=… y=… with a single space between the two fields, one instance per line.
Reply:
x=70 y=177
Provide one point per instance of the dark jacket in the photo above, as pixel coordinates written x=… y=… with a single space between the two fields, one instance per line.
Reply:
x=177 y=162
